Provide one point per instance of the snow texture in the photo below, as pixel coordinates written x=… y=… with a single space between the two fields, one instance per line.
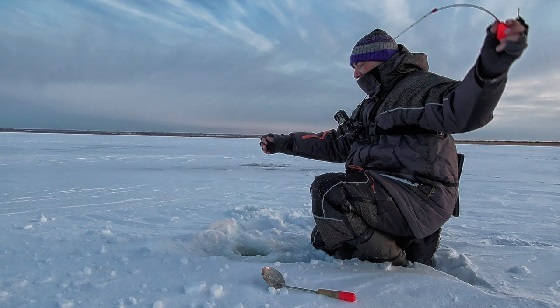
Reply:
x=135 y=221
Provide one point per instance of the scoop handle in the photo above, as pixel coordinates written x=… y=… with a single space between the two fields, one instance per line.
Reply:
x=342 y=295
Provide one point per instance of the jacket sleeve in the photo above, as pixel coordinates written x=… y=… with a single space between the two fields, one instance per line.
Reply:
x=456 y=108
x=468 y=107
x=471 y=104
x=331 y=145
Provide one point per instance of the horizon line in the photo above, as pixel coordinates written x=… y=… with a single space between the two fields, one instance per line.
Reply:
x=235 y=135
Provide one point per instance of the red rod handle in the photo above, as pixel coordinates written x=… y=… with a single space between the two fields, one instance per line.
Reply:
x=347 y=296
x=342 y=295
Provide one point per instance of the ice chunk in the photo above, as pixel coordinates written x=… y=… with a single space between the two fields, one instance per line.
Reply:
x=217 y=290
x=158 y=304
x=450 y=261
x=132 y=300
x=66 y=303
x=87 y=270
x=195 y=289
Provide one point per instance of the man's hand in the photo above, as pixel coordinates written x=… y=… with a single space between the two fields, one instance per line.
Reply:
x=497 y=56
x=516 y=29
x=267 y=144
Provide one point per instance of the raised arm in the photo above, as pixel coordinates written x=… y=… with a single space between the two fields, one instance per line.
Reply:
x=469 y=104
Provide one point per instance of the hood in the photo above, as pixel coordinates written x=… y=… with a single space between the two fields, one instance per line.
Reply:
x=402 y=63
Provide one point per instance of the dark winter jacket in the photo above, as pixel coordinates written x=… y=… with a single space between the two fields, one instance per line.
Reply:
x=405 y=142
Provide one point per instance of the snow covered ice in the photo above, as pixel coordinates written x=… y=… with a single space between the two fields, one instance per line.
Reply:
x=136 y=221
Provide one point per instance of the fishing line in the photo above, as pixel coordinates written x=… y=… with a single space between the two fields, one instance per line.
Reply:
x=500 y=32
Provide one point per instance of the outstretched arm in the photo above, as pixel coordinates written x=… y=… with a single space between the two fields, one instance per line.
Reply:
x=329 y=146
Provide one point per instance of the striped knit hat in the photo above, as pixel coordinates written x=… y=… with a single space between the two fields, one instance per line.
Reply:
x=376 y=46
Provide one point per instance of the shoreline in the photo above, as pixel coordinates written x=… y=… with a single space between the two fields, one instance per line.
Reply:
x=218 y=135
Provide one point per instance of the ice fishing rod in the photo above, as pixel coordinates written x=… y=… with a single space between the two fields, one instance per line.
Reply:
x=275 y=280
x=500 y=32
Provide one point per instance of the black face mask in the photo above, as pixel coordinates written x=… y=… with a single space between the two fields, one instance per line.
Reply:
x=369 y=83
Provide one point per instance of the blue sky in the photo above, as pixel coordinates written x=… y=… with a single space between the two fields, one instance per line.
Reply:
x=246 y=66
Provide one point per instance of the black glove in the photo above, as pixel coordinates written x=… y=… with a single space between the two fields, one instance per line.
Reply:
x=491 y=63
x=267 y=143
x=279 y=143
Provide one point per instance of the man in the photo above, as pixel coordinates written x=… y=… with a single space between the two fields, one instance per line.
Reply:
x=402 y=169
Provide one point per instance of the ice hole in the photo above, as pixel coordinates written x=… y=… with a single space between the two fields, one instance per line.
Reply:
x=248 y=251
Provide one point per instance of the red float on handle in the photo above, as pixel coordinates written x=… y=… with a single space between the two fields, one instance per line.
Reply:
x=501 y=31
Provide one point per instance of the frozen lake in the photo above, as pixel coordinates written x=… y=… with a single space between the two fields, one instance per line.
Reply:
x=136 y=221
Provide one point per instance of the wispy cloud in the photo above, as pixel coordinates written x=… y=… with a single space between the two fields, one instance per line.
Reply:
x=235 y=29
x=139 y=13
x=293 y=67
x=271 y=7
x=237 y=8
x=252 y=38
x=393 y=13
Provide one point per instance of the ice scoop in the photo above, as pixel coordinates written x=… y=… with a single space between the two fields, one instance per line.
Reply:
x=275 y=279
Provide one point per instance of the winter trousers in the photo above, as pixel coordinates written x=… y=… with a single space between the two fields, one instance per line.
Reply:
x=355 y=218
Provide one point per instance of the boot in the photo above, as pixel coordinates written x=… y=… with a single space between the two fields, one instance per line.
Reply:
x=375 y=246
